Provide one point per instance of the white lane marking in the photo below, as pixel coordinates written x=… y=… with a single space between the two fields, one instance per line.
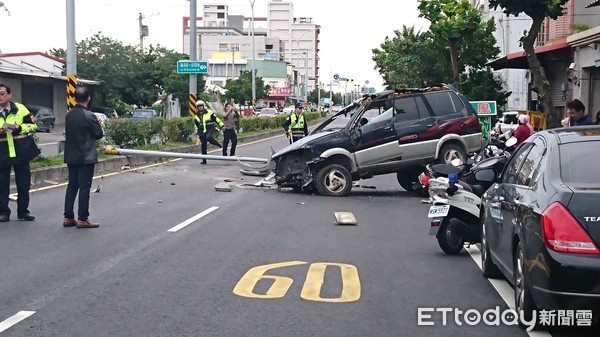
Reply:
x=192 y=219
x=503 y=288
x=21 y=315
x=44 y=144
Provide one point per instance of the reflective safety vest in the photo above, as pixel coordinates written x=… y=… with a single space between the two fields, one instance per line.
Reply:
x=206 y=120
x=10 y=142
x=297 y=125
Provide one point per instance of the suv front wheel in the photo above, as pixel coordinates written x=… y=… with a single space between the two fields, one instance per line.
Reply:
x=450 y=152
x=334 y=180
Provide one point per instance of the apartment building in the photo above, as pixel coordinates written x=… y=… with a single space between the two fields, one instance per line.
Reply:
x=552 y=49
x=225 y=40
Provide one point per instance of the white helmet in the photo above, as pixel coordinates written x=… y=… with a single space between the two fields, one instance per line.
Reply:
x=523 y=119
x=200 y=102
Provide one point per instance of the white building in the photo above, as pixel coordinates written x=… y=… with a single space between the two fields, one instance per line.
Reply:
x=509 y=30
x=301 y=36
x=225 y=39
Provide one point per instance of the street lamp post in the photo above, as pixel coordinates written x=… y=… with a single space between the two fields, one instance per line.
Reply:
x=253 y=53
x=306 y=79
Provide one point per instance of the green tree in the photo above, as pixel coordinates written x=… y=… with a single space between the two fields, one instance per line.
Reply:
x=451 y=21
x=240 y=90
x=313 y=96
x=163 y=65
x=537 y=10
x=483 y=85
x=126 y=74
x=411 y=59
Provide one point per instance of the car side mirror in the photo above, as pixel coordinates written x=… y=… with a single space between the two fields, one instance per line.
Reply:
x=355 y=135
x=486 y=175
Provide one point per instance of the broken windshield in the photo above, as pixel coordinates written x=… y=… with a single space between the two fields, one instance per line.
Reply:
x=338 y=121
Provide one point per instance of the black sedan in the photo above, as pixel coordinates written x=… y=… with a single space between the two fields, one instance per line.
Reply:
x=541 y=223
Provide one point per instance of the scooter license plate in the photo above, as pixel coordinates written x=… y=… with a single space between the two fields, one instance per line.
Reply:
x=438 y=211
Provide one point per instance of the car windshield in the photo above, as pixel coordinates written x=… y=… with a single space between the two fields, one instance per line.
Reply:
x=339 y=120
x=576 y=159
x=143 y=113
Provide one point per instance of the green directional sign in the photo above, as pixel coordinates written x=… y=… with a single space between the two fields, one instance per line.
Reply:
x=192 y=67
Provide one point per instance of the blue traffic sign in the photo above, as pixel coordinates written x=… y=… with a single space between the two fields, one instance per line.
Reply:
x=336 y=77
x=192 y=67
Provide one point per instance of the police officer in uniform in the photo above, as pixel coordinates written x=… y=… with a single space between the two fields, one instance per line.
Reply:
x=205 y=120
x=295 y=126
x=17 y=149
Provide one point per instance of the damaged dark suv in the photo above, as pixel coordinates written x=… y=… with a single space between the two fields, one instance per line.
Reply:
x=394 y=131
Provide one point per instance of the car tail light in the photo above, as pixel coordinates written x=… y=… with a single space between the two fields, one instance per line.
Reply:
x=563 y=233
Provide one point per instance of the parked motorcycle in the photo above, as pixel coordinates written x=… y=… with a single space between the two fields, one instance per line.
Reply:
x=456 y=204
x=488 y=150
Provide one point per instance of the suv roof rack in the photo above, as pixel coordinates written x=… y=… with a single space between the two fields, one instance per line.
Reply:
x=432 y=87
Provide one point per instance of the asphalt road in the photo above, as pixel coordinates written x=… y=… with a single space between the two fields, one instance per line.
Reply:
x=174 y=257
x=48 y=141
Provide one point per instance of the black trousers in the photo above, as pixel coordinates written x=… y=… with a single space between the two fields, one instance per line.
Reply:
x=207 y=137
x=80 y=181
x=229 y=134
x=23 y=181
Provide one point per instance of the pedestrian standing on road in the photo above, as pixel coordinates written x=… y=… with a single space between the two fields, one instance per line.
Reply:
x=229 y=129
x=17 y=149
x=205 y=120
x=295 y=126
x=82 y=129
x=577 y=115
x=597 y=122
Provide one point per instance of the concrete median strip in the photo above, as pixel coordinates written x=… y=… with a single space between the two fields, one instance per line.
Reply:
x=114 y=165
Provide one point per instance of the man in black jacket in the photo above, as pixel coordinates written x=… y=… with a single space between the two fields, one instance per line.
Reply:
x=82 y=129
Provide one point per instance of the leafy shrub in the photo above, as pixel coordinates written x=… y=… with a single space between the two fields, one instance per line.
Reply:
x=123 y=132
x=179 y=129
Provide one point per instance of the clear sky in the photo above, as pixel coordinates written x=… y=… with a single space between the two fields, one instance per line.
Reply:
x=350 y=29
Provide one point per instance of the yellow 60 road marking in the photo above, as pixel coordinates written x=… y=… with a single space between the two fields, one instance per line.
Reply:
x=311 y=290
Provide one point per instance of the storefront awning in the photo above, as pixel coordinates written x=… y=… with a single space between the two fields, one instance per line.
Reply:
x=518 y=60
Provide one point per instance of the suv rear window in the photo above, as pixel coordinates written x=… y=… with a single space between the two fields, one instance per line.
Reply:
x=577 y=161
x=445 y=103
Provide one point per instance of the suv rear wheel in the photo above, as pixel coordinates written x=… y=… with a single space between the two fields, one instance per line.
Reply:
x=334 y=180
x=409 y=180
x=450 y=152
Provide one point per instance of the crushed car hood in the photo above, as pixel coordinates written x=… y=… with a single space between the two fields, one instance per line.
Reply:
x=300 y=143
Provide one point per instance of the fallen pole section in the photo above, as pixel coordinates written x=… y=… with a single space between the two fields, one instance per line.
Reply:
x=148 y=153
